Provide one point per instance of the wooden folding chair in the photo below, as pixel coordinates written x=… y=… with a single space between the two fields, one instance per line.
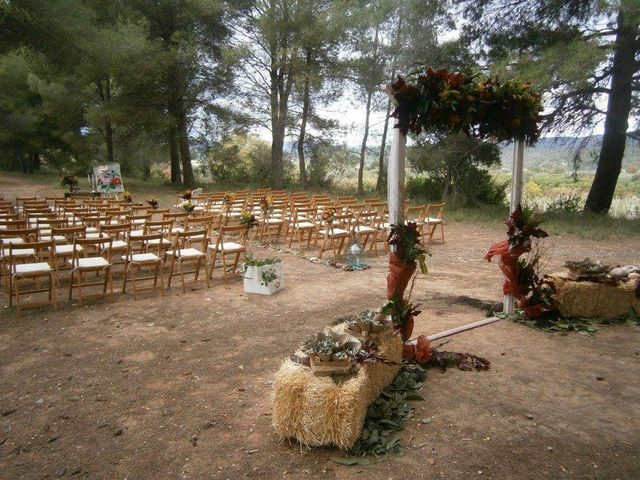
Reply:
x=335 y=235
x=366 y=228
x=433 y=218
x=226 y=246
x=302 y=223
x=185 y=252
x=149 y=256
x=272 y=225
x=64 y=251
x=29 y=262
x=99 y=263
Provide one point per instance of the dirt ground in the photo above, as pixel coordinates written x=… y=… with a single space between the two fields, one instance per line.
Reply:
x=180 y=386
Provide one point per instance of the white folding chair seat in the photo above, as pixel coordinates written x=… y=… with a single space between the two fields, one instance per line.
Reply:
x=332 y=232
x=143 y=258
x=27 y=252
x=39 y=267
x=187 y=253
x=66 y=249
x=90 y=262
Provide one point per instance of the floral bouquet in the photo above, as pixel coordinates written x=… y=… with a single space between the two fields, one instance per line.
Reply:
x=227 y=199
x=266 y=205
x=186 y=195
x=127 y=197
x=329 y=215
x=153 y=203
x=188 y=206
x=248 y=219
x=70 y=181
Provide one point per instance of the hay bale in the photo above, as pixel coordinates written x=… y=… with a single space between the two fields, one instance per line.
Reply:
x=320 y=411
x=594 y=300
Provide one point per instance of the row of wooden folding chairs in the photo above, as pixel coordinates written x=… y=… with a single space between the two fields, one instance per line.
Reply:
x=30 y=261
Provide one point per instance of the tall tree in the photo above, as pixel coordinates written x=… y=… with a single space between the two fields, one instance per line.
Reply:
x=268 y=44
x=581 y=52
x=193 y=35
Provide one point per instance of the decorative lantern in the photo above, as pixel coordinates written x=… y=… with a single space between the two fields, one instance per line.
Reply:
x=355 y=258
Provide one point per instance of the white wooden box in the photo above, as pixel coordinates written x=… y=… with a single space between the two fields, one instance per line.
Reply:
x=253 y=279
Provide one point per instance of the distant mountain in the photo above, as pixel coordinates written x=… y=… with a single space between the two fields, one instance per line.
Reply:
x=558 y=152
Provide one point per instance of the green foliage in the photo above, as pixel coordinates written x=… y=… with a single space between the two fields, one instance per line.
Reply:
x=554 y=322
x=390 y=410
x=454 y=169
x=241 y=159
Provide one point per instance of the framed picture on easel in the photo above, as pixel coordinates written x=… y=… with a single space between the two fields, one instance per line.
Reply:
x=108 y=179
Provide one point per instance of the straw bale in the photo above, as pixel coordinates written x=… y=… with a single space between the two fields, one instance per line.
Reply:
x=326 y=411
x=594 y=300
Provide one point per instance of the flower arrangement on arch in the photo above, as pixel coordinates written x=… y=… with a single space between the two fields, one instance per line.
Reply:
x=523 y=279
x=450 y=102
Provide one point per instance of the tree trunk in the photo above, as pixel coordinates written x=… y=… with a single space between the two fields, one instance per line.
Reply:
x=185 y=154
x=277 y=146
x=174 y=155
x=363 y=147
x=108 y=139
x=303 y=124
x=35 y=164
x=617 y=117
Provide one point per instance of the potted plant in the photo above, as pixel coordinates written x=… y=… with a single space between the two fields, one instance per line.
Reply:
x=331 y=352
x=406 y=255
x=263 y=276
x=369 y=322
x=402 y=313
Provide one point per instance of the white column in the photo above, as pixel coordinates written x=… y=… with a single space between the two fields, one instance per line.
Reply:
x=395 y=177
x=516 y=199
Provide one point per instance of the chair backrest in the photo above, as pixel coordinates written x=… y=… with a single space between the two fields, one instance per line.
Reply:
x=236 y=233
x=367 y=219
x=200 y=223
x=415 y=213
x=144 y=244
x=434 y=210
x=70 y=233
x=48 y=223
x=13 y=224
x=344 y=221
x=117 y=232
x=302 y=214
x=163 y=227
x=40 y=252
x=192 y=238
x=101 y=246
x=25 y=234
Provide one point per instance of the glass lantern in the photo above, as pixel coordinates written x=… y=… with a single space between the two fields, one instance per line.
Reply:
x=355 y=258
